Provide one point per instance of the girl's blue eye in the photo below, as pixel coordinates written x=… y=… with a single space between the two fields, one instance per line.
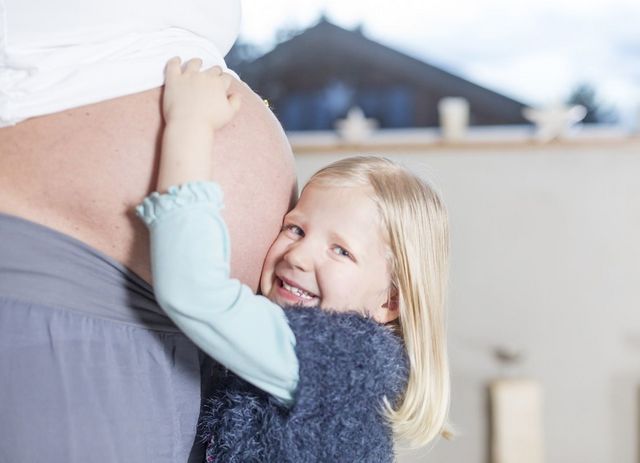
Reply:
x=342 y=252
x=294 y=229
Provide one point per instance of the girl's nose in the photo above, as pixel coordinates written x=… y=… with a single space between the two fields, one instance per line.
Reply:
x=299 y=256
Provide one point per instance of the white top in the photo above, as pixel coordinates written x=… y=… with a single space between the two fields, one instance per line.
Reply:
x=60 y=54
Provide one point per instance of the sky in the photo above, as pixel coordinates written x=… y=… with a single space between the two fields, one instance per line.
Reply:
x=534 y=51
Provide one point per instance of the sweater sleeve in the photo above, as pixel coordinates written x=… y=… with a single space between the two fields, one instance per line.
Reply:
x=246 y=333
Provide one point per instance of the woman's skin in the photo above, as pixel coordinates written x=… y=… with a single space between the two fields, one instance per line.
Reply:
x=82 y=171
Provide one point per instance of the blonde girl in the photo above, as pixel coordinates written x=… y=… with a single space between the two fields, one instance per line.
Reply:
x=345 y=348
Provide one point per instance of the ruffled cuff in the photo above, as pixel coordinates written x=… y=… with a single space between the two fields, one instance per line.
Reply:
x=154 y=206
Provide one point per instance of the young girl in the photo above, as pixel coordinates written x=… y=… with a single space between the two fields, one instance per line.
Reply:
x=345 y=349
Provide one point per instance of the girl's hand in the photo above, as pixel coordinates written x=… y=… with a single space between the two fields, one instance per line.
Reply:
x=195 y=104
x=198 y=97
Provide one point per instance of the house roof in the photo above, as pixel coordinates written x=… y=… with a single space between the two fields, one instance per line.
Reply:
x=326 y=52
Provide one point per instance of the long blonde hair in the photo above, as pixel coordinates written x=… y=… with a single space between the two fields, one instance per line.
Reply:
x=415 y=225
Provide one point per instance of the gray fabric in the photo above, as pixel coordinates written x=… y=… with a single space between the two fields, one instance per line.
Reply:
x=91 y=368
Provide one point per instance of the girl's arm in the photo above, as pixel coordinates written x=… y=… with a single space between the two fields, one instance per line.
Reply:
x=190 y=245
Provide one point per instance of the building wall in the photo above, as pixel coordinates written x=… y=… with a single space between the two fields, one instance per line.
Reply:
x=545 y=258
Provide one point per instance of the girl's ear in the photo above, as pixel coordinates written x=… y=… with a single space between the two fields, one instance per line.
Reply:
x=388 y=311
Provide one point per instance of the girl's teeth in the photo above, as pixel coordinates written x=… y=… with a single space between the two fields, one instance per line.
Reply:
x=297 y=291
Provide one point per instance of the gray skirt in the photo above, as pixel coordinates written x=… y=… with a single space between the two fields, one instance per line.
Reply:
x=91 y=369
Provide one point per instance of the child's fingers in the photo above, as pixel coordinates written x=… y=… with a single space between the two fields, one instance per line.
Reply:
x=226 y=80
x=172 y=69
x=193 y=65
x=215 y=70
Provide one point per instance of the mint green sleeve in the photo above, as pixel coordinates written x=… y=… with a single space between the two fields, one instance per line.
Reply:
x=246 y=333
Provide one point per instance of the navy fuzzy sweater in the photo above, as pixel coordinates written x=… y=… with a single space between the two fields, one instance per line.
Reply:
x=348 y=363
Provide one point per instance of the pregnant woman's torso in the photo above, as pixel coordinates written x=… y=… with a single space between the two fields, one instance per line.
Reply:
x=82 y=170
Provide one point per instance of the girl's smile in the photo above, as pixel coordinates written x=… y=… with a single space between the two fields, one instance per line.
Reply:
x=293 y=292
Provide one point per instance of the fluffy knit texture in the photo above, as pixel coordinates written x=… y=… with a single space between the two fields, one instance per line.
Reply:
x=348 y=364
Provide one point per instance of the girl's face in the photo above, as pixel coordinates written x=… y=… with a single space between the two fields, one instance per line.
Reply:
x=330 y=253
